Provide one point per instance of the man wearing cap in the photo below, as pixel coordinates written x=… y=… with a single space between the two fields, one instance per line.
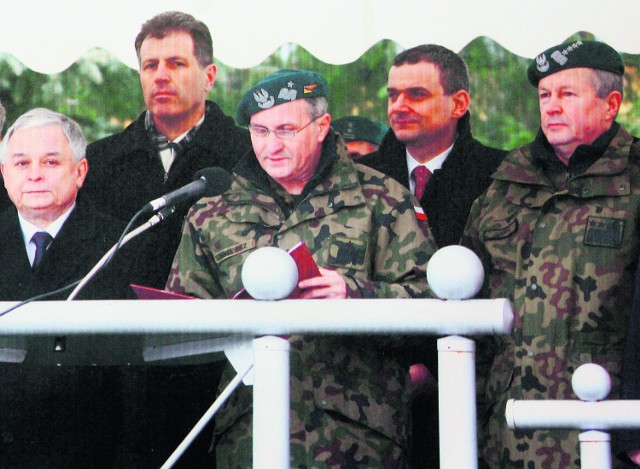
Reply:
x=557 y=231
x=362 y=135
x=350 y=396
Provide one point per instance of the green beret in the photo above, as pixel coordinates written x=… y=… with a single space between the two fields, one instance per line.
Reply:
x=589 y=54
x=280 y=87
x=356 y=128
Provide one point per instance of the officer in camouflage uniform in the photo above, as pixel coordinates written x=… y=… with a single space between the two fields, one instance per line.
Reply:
x=350 y=396
x=558 y=234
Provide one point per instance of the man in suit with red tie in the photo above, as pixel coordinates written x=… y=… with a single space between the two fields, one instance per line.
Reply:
x=430 y=150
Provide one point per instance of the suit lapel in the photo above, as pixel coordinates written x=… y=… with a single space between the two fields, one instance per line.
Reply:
x=70 y=253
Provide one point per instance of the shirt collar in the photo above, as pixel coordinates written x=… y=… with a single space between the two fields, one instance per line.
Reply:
x=433 y=164
x=29 y=229
x=151 y=127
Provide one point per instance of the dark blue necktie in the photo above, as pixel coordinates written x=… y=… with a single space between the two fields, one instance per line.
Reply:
x=41 y=239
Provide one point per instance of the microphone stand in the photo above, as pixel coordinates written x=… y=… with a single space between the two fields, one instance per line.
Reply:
x=154 y=220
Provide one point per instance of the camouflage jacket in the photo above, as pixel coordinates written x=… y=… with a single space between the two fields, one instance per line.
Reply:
x=564 y=250
x=356 y=221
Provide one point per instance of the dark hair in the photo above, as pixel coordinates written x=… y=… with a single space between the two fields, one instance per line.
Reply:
x=454 y=73
x=160 y=25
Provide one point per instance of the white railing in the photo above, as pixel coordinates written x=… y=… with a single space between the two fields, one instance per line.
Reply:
x=591 y=414
x=148 y=329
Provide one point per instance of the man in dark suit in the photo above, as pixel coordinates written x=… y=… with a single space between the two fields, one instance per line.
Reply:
x=54 y=416
x=180 y=133
x=44 y=166
x=430 y=150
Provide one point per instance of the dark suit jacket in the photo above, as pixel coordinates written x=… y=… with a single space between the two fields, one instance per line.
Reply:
x=125 y=173
x=447 y=200
x=59 y=417
x=82 y=241
x=464 y=176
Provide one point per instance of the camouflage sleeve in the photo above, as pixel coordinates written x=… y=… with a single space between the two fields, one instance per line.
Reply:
x=192 y=272
x=402 y=246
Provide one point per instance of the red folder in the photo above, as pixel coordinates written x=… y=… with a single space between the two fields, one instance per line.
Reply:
x=307 y=268
x=148 y=293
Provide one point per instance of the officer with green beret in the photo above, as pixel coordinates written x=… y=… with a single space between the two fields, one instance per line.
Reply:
x=350 y=396
x=362 y=135
x=558 y=231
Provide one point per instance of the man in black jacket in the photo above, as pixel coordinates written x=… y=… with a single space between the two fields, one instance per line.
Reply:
x=179 y=133
x=428 y=90
x=428 y=106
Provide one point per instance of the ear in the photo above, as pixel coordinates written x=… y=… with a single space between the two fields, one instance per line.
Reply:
x=82 y=167
x=461 y=101
x=613 y=102
x=324 y=123
x=211 y=71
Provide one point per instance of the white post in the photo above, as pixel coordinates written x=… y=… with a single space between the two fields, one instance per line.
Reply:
x=456 y=391
x=271 y=403
x=595 y=450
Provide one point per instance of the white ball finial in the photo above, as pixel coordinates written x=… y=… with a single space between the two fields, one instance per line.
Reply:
x=269 y=273
x=455 y=273
x=591 y=382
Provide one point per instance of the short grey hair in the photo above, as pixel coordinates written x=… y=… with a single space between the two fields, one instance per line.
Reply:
x=3 y=117
x=317 y=106
x=41 y=117
x=605 y=82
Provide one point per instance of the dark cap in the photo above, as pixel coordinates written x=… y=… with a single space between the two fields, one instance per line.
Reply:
x=589 y=54
x=356 y=128
x=280 y=87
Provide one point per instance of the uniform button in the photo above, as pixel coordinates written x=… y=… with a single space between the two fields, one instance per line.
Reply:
x=622 y=187
x=324 y=402
x=543 y=225
x=330 y=204
x=279 y=236
x=530 y=354
x=585 y=190
x=534 y=286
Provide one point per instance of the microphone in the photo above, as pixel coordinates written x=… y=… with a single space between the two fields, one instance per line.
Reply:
x=207 y=183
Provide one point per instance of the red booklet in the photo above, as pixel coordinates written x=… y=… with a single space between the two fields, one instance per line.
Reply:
x=307 y=268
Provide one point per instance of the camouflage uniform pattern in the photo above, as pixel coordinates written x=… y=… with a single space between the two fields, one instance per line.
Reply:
x=347 y=392
x=564 y=251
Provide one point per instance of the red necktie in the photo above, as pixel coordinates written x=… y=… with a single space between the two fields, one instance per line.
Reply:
x=421 y=176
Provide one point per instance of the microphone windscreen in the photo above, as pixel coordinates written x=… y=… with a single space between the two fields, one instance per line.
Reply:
x=216 y=180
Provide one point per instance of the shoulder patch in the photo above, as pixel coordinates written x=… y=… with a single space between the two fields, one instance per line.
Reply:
x=604 y=232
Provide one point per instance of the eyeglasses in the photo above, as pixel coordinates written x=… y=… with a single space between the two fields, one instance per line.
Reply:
x=284 y=134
